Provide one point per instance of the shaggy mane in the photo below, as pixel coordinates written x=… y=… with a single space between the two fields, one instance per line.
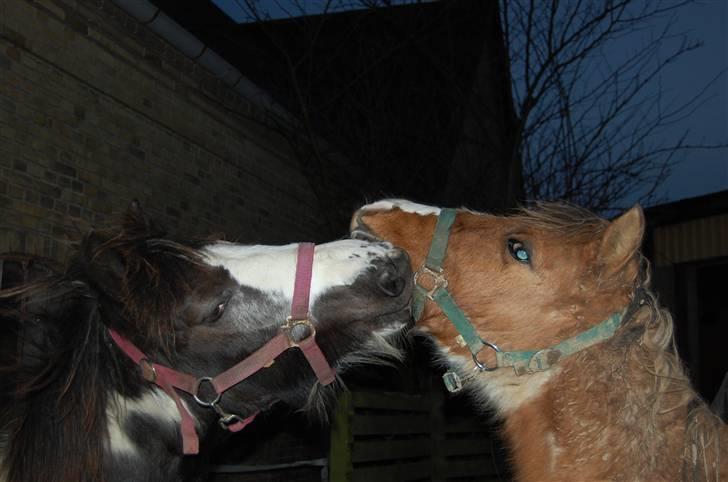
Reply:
x=62 y=362
x=565 y=219
x=671 y=390
x=145 y=260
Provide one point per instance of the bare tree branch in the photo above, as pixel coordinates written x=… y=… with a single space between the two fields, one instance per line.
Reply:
x=589 y=126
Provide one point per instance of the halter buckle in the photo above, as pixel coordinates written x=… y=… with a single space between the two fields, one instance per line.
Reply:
x=226 y=419
x=292 y=326
x=453 y=382
x=438 y=279
x=543 y=360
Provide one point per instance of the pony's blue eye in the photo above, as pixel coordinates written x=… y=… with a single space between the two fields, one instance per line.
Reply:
x=519 y=251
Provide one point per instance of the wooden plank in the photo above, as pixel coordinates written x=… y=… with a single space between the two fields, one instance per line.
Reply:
x=437 y=425
x=466 y=447
x=390 y=424
x=466 y=426
x=394 y=437
x=477 y=466
x=340 y=466
x=392 y=473
x=374 y=450
x=391 y=401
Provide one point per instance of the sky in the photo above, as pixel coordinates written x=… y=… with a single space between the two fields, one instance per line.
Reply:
x=699 y=171
x=277 y=9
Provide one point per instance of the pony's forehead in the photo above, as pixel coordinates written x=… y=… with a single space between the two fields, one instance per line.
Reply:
x=548 y=220
x=225 y=249
x=272 y=269
x=267 y=268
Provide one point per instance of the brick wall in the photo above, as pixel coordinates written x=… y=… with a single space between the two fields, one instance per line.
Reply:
x=95 y=110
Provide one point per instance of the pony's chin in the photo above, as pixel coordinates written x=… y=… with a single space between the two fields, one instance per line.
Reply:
x=384 y=346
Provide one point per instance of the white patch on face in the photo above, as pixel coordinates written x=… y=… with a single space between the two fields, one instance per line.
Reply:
x=154 y=403
x=501 y=388
x=272 y=269
x=403 y=204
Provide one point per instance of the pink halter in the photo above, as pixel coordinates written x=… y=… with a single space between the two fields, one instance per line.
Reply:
x=169 y=379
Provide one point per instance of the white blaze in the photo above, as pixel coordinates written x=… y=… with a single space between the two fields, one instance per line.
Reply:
x=273 y=268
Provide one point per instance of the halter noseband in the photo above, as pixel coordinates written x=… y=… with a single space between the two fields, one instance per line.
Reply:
x=169 y=379
x=527 y=361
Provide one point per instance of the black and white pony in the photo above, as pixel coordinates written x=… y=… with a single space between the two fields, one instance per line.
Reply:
x=76 y=406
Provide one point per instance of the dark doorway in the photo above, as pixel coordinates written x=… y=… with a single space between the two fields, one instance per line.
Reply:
x=702 y=322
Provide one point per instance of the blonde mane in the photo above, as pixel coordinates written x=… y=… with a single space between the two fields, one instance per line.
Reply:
x=671 y=390
x=567 y=220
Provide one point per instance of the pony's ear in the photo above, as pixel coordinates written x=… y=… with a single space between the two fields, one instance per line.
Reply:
x=622 y=239
x=104 y=265
x=109 y=253
x=136 y=224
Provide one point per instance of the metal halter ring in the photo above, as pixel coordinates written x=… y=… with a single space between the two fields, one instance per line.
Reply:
x=292 y=323
x=482 y=366
x=438 y=279
x=205 y=403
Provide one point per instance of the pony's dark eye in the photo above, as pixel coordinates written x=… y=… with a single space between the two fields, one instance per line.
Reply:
x=519 y=251
x=217 y=312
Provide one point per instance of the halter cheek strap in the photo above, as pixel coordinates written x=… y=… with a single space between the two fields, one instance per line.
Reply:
x=468 y=335
x=171 y=380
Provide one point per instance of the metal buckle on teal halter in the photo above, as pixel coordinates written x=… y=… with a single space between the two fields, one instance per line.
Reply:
x=433 y=264
x=468 y=336
x=422 y=294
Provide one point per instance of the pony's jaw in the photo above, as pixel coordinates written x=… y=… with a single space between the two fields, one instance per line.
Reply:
x=500 y=389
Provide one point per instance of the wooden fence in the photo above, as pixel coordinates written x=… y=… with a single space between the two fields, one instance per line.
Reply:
x=393 y=437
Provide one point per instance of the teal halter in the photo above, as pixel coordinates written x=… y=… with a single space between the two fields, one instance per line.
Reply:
x=527 y=361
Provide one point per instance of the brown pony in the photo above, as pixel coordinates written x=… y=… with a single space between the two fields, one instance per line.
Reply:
x=619 y=407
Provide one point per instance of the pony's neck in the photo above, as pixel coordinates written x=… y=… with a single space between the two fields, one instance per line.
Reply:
x=144 y=440
x=93 y=403
x=602 y=414
x=144 y=432
x=61 y=392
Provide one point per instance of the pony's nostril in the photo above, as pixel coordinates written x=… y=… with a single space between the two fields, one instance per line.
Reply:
x=390 y=280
